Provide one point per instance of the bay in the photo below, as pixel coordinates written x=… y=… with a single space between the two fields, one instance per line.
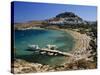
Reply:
x=42 y=37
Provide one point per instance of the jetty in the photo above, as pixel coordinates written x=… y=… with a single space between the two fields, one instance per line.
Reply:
x=50 y=50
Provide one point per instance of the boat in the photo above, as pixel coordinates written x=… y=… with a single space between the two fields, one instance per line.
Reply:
x=52 y=47
x=50 y=50
x=33 y=47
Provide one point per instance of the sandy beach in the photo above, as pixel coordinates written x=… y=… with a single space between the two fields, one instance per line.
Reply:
x=81 y=49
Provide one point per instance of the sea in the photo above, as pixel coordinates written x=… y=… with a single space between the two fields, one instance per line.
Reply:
x=42 y=37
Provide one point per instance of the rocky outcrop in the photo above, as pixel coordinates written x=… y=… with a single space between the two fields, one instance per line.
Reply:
x=66 y=18
x=22 y=66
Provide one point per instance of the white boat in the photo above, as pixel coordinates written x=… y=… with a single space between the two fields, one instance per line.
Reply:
x=52 y=47
x=33 y=47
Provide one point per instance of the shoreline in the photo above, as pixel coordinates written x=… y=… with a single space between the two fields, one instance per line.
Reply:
x=81 y=41
x=29 y=28
x=81 y=52
x=81 y=49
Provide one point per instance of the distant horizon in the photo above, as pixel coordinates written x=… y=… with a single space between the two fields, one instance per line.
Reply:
x=23 y=11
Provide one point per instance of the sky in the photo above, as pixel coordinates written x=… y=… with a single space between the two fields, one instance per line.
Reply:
x=28 y=11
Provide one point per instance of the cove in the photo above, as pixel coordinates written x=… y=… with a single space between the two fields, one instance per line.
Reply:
x=42 y=37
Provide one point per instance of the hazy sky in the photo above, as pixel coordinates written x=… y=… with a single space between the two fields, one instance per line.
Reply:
x=27 y=11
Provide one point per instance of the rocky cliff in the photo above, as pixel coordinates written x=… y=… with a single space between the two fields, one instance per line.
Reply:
x=66 y=18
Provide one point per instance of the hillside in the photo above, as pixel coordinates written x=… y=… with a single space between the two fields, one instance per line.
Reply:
x=28 y=24
x=66 y=19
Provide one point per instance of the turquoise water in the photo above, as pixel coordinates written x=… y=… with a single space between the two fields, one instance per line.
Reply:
x=42 y=37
